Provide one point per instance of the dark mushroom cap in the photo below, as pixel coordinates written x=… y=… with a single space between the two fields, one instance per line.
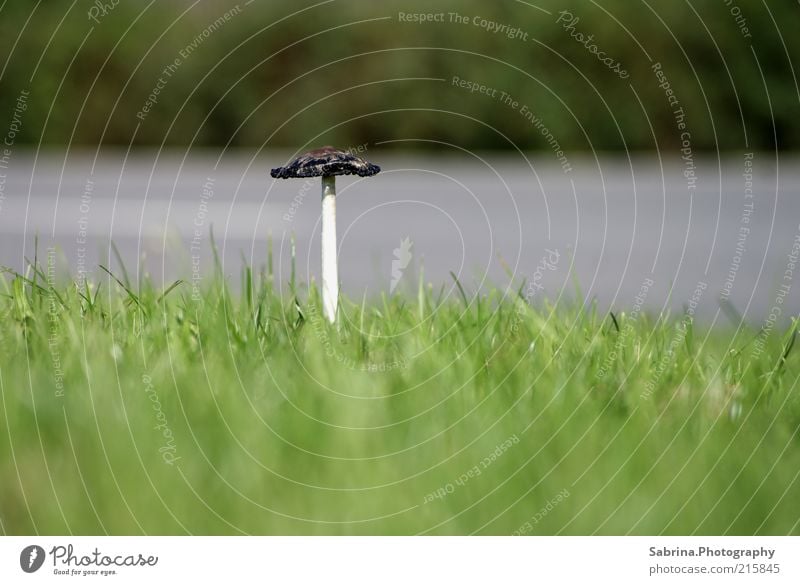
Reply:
x=325 y=162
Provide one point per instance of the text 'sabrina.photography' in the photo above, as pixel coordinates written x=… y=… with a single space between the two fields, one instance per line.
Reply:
x=360 y=292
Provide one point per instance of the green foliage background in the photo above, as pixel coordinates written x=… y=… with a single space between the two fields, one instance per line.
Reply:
x=328 y=67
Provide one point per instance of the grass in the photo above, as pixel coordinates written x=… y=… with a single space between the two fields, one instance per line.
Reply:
x=129 y=409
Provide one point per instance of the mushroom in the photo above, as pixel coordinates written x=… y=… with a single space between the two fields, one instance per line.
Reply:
x=327 y=162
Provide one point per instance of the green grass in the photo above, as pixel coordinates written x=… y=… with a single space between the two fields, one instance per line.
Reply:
x=541 y=420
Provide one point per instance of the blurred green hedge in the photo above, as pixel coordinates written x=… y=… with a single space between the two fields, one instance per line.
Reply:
x=341 y=72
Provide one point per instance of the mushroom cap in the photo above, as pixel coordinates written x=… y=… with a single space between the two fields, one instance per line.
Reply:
x=325 y=162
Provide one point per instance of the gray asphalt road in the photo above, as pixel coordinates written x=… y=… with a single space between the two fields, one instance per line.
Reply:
x=611 y=224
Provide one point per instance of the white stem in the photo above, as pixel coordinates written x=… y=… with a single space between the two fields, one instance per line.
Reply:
x=330 y=272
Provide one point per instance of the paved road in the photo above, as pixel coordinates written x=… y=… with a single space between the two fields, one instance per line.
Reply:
x=611 y=225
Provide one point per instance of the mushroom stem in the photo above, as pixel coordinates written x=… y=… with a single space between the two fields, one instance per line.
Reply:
x=330 y=272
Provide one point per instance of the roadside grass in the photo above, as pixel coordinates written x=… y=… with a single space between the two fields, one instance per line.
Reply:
x=129 y=409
